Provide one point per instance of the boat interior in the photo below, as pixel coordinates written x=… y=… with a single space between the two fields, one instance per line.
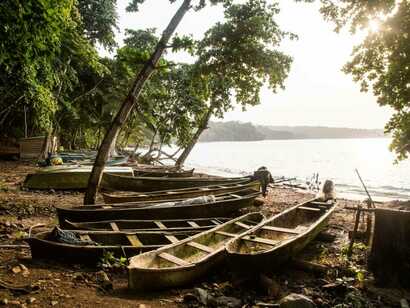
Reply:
x=198 y=248
x=127 y=225
x=280 y=228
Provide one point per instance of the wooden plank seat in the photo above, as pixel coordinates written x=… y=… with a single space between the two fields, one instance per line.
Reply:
x=225 y=233
x=320 y=203
x=173 y=259
x=309 y=208
x=280 y=229
x=260 y=240
x=193 y=224
x=85 y=237
x=172 y=238
x=114 y=226
x=241 y=224
x=134 y=240
x=201 y=247
x=235 y=196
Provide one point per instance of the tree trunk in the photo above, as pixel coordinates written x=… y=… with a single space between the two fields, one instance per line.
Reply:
x=204 y=123
x=128 y=104
x=113 y=150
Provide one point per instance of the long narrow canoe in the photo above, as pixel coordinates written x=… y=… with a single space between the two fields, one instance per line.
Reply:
x=279 y=238
x=130 y=183
x=68 y=177
x=121 y=197
x=183 y=262
x=156 y=172
x=90 y=246
x=226 y=206
x=194 y=224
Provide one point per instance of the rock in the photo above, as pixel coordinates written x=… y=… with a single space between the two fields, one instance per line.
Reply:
x=189 y=298
x=226 y=301
x=203 y=296
x=270 y=286
x=53 y=303
x=31 y=300
x=294 y=300
x=104 y=281
x=16 y=269
x=14 y=304
x=4 y=301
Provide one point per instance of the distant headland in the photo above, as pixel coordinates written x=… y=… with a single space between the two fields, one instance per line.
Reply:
x=239 y=131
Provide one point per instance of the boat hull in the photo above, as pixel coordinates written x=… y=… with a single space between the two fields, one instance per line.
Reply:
x=265 y=250
x=179 y=193
x=67 y=178
x=146 y=184
x=224 y=208
x=143 y=274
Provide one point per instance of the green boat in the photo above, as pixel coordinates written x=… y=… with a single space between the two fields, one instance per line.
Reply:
x=68 y=177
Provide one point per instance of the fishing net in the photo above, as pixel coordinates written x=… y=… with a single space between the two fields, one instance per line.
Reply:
x=70 y=237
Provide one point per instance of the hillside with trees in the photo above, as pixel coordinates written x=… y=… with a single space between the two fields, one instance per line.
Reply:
x=237 y=131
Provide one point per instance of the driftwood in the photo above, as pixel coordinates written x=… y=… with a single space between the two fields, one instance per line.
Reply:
x=390 y=251
x=309 y=267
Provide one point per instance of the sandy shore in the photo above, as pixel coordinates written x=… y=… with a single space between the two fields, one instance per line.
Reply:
x=69 y=286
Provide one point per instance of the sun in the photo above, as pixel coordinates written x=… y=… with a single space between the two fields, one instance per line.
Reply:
x=373 y=25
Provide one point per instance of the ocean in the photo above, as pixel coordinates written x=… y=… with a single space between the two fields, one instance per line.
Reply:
x=334 y=159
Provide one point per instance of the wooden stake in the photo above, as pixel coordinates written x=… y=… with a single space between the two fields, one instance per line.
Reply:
x=356 y=225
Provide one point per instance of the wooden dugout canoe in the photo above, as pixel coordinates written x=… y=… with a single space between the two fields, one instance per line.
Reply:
x=139 y=184
x=43 y=245
x=267 y=246
x=183 y=262
x=224 y=206
x=67 y=177
x=156 y=172
x=178 y=193
x=192 y=224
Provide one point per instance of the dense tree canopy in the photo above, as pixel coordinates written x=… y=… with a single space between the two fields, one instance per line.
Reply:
x=382 y=61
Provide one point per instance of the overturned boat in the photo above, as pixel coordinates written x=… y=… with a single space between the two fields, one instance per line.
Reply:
x=208 y=206
x=144 y=184
x=191 y=192
x=183 y=262
x=267 y=246
x=68 y=177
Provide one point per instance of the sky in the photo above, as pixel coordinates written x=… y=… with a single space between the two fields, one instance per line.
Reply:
x=317 y=92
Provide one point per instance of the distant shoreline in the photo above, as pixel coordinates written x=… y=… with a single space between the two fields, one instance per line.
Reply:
x=285 y=139
x=238 y=131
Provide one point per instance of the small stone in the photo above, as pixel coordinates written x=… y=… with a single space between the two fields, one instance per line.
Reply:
x=104 y=281
x=294 y=300
x=53 y=303
x=14 y=303
x=16 y=269
x=31 y=300
x=226 y=301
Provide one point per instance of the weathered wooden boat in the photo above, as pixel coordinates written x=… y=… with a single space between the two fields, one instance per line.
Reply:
x=90 y=246
x=156 y=172
x=225 y=205
x=194 y=224
x=72 y=177
x=121 y=197
x=267 y=246
x=139 y=184
x=183 y=262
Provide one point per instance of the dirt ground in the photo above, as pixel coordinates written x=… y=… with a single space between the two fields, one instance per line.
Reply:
x=346 y=283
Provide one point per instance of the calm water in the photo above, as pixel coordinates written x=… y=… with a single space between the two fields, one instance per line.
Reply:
x=333 y=159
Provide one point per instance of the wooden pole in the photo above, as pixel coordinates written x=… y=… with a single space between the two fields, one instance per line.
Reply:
x=356 y=226
x=365 y=188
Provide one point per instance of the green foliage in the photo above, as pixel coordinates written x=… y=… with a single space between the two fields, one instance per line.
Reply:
x=42 y=48
x=99 y=19
x=237 y=56
x=381 y=62
x=108 y=260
